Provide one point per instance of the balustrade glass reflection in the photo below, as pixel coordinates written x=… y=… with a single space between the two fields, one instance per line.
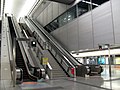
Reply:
x=55 y=24
x=71 y=14
x=62 y=19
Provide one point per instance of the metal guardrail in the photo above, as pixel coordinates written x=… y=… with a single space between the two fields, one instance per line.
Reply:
x=18 y=31
x=56 y=44
x=12 y=54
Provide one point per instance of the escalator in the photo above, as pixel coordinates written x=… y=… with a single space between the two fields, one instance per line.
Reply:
x=0 y=32
x=20 y=56
x=68 y=63
x=60 y=56
x=77 y=69
x=20 y=63
x=57 y=71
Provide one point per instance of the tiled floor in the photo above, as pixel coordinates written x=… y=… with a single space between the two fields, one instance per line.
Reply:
x=102 y=82
x=115 y=73
x=89 y=83
x=60 y=84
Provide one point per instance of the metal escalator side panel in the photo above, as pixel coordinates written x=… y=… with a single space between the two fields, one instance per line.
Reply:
x=17 y=31
x=53 y=44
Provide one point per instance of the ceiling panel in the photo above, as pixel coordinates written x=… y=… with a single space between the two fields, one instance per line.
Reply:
x=18 y=7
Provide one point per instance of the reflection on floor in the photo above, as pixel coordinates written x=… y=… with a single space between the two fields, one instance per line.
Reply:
x=100 y=82
x=115 y=73
x=60 y=84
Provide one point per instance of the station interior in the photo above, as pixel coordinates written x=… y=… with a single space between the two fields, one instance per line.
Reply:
x=59 y=44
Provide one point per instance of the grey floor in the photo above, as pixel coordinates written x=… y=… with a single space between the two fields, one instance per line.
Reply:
x=102 y=82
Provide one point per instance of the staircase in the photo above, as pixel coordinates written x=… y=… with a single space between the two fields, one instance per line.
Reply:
x=57 y=71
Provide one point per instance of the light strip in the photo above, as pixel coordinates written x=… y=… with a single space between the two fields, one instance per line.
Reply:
x=97 y=53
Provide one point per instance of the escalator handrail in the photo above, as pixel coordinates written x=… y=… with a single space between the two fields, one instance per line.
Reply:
x=62 y=56
x=10 y=52
x=53 y=46
x=51 y=39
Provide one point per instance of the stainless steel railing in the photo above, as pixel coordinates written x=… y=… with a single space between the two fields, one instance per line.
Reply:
x=55 y=49
x=12 y=54
x=18 y=35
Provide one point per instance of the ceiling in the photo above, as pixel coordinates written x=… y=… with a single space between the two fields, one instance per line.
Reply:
x=18 y=8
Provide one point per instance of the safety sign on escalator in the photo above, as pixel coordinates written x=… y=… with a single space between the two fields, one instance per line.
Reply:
x=45 y=61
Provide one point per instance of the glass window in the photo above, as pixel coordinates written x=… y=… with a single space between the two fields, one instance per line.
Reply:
x=83 y=7
x=71 y=13
x=96 y=3
x=62 y=19
x=55 y=24
x=48 y=28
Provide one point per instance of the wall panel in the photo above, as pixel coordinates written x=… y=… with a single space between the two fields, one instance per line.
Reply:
x=63 y=36
x=85 y=31
x=116 y=19
x=55 y=10
x=45 y=16
x=55 y=34
x=62 y=8
x=82 y=33
x=50 y=13
x=40 y=18
x=102 y=25
x=72 y=30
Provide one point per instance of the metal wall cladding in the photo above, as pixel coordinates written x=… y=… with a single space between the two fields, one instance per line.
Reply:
x=85 y=31
x=116 y=19
x=45 y=16
x=50 y=13
x=40 y=18
x=62 y=8
x=73 y=34
x=102 y=25
x=90 y=29
x=62 y=36
x=56 y=34
x=55 y=10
